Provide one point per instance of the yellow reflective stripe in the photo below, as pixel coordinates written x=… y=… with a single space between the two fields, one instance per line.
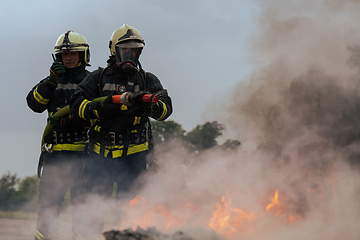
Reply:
x=123 y=108
x=77 y=236
x=51 y=236
x=97 y=149
x=136 y=120
x=82 y=108
x=96 y=113
x=39 y=98
x=93 y=122
x=135 y=148
x=73 y=147
x=164 y=110
x=117 y=151
x=97 y=128
x=39 y=236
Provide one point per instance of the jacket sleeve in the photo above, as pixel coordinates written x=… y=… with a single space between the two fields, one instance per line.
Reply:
x=81 y=101
x=39 y=96
x=162 y=109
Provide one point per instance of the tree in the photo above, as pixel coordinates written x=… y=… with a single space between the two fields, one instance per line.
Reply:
x=27 y=194
x=165 y=131
x=230 y=145
x=8 y=184
x=203 y=137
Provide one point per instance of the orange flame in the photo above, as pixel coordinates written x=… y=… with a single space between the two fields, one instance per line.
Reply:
x=278 y=208
x=227 y=220
x=274 y=202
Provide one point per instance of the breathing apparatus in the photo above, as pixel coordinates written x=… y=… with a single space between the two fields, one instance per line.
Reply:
x=127 y=58
x=126 y=45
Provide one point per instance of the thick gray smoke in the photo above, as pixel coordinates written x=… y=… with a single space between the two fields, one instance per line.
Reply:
x=297 y=116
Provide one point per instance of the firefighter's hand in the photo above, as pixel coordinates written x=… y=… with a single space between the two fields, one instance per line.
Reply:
x=108 y=109
x=136 y=99
x=60 y=122
x=57 y=69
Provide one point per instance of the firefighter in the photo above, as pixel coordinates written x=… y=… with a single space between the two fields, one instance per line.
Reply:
x=61 y=156
x=120 y=139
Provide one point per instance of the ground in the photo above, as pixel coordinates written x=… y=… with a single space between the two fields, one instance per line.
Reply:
x=24 y=229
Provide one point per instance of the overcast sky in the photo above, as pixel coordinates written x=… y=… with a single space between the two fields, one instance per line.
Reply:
x=196 y=49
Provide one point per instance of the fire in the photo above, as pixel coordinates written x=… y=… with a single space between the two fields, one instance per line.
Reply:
x=274 y=202
x=145 y=214
x=227 y=220
x=279 y=208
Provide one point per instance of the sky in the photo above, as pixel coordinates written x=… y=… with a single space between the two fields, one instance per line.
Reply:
x=195 y=48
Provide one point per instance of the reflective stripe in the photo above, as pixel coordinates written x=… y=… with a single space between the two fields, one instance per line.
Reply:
x=136 y=120
x=39 y=236
x=93 y=122
x=73 y=147
x=76 y=237
x=82 y=108
x=118 y=150
x=164 y=110
x=39 y=98
x=68 y=86
x=135 y=148
x=123 y=108
x=110 y=87
x=97 y=128
x=96 y=113
x=51 y=236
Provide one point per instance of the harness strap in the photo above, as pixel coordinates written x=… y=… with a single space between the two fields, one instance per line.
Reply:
x=65 y=136
x=115 y=135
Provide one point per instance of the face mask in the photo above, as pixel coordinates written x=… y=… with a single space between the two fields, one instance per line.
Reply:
x=126 y=60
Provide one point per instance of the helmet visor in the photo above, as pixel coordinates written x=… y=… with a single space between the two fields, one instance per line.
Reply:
x=127 y=52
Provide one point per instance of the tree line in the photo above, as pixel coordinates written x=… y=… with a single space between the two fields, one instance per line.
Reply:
x=21 y=194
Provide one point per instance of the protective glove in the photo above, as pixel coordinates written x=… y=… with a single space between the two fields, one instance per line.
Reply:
x=60 y=122
x=108 y=109
x=56 y=70
x=136 y=98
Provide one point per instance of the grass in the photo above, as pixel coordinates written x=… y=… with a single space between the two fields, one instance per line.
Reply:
x=65 y=216
x=18 y=215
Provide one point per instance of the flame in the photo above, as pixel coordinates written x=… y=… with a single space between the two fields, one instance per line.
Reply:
x=278 y=208
x=291 y=218
x=145 y=214
x=145 y=218
x=227 y=220
x=274 y=202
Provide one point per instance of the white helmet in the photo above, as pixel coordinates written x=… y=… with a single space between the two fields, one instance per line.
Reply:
x=74 y=42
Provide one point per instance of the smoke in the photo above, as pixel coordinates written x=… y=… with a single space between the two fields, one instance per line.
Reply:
x=297 y=118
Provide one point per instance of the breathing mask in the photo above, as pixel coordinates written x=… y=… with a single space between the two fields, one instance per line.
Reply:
x=127 y=55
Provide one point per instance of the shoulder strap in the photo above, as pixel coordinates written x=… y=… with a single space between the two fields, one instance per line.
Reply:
x=102 y=79
x=142 y=80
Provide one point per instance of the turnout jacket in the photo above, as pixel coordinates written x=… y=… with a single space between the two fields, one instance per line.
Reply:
x=128 y=132
x=46 y=96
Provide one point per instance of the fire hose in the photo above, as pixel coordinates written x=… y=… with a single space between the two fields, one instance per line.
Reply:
x=118 y=99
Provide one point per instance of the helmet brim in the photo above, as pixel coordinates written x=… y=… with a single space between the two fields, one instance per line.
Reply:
x=131 y=44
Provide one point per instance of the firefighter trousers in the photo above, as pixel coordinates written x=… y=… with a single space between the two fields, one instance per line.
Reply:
x=100 y=175
x=61 y=171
